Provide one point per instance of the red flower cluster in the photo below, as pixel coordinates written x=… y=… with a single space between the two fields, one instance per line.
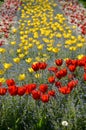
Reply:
x=39 y=65
x=71 y=65
x=30 y=88
x=67 y=89
x=43 y=92
x=61 y=73
x=76 y=14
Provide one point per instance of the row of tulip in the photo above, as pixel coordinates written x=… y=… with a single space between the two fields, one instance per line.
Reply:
x=43 y=91
x=76 y=14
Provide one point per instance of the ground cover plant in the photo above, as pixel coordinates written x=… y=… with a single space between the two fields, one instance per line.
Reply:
x=42 y=70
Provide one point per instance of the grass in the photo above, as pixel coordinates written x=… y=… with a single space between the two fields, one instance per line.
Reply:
x=1 y=3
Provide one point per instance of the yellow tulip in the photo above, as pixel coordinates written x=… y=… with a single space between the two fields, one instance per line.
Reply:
x=26 y=48
x=7 y=65
x=22 y=77
x=55 y=50
x=28 y=60
x=19 y=50
x=58 y=35
x=80 y=56
x=72 y=48
x=21 y=32
x=74 y=27
x=30 y=45
x=2 y=80
x=37 y=75
x=16 y=60
x=40 y=47
x=49 y=48
x=80 y=45
x=13 y=43
x=26 y=53
x=30 y=70
x=14 y=30
x=1 y=72
x=2 y=50
x=21 y=55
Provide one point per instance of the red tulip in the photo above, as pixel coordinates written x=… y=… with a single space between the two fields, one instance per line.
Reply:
x=81 y=62
x=72 y=68
x=10 y=82
x=59 y=62
x=1 y=43
x=58 y=75
x=64 y=90
x=6 y=35
x=84 y=58
x=42 y=65
x=12 y=90
x=43 y=88
x=51 y=79
x=51 y=93
x=35 y=66
x=53 y=69
x=58 y=84
x=36 y=94
x=3 y=91
x=63 y=72
x=85 y=68
x=21 y=91
x=84 y=76
x=45 y=98
x=72 y=84
x=0 y=84
x=68 y=62
x=74 y=62
x=30 y=88
x=4 y=30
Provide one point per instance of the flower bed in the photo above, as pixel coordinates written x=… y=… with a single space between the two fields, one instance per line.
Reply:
x=42 y=71
x=7 y=16
x=76 y=14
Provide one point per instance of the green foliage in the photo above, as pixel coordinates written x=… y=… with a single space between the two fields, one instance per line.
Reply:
x=83 y=2
x=24 y=113
x=1 y=1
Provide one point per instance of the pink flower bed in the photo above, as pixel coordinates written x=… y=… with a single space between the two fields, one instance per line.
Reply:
x=75 y=13
x=7 y=14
